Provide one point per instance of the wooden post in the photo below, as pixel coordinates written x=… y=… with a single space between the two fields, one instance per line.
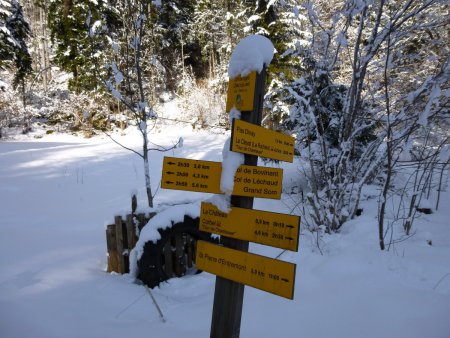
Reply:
x=229 y=295
x=168 y=261
x=111 y=244
x=119 y=243
x=133 y=204
x=131 y=232
x=180 y=266
x=189 y=251
x=142 y=221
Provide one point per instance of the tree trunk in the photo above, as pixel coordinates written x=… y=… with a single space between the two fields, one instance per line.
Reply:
x=381 y=213
x=148 y=186
x=387 y=182
x=24 y=102
x=43 y=48
x=440 y=184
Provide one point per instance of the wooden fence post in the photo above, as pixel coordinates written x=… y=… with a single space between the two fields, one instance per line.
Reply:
x=119 y=244
x=131 y=232
x=180 y=266
x=168 y=259
x=142 y=221
x=121 y=237
x=111 y=244
x=189 y=251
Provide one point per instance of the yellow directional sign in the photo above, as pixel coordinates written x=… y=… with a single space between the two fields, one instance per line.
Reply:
x=261 y=272
x=253 y=181
x=191 y=175
x=204 y=176
x=241 y=92
x=251 y=139
x=269 y=228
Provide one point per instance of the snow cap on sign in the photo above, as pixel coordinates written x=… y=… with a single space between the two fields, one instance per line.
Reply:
x=251 y=53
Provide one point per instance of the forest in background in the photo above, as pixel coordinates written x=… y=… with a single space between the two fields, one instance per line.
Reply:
x=363 y=85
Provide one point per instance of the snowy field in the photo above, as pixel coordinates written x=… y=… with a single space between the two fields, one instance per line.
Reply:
x=58 y=192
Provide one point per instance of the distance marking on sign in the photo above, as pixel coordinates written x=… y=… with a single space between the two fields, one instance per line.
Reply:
x=204 y=176
x=269 y=228
x=191 y=175
x=241 y=92
x=252 y=139
x=260 y=272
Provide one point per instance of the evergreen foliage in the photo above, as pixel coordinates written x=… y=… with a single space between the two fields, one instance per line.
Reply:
x=211 y=34
x=7 y=42
x=173 y=20
x=73 y=24
x=14 y=33
x=20 y=32
x=284 y=23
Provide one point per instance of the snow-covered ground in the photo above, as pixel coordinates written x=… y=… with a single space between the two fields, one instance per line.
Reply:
x=58 y=192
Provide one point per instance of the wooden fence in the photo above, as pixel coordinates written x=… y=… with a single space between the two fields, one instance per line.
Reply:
x=121 y=237
x=179 y=253
x=175 y=259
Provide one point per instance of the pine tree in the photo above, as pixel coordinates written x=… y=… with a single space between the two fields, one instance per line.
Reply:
x=174 y=18
x=20 y=32
x=15 y=31
x=283 y=22
x=7 y=43
x=211 y=33
x=76 y=27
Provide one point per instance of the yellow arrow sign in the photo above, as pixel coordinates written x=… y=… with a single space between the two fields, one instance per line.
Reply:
x=204 y=176
x=261 y=272
x=251 y=139
x=269 y=228
x=241 y=92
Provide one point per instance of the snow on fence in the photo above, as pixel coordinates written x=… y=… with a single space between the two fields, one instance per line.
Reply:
x=178 y=252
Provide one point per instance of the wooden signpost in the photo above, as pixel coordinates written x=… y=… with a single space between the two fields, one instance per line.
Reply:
x=263 y=227
x=263 y=273
x=230 y=261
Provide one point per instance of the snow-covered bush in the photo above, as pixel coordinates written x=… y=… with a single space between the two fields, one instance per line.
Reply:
x=312 y=108
x=59 y=110
x=204 y=106
x=372 y=80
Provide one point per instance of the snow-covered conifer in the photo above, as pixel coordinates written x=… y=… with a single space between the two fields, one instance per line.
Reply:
x=20 y=32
